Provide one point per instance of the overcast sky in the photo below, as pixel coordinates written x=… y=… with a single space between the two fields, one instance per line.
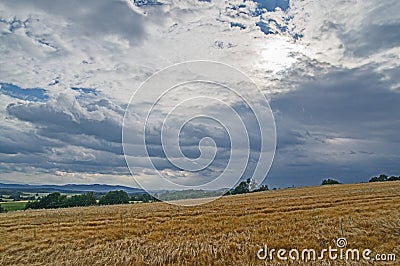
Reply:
x=329 y=69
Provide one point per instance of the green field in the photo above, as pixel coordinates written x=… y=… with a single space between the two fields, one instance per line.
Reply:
x=14 y=205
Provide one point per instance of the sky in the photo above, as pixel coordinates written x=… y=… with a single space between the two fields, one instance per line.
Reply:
x=327 y=76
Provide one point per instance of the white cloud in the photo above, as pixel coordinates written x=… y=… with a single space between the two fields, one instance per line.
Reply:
x=113 y=46
x=349 y=33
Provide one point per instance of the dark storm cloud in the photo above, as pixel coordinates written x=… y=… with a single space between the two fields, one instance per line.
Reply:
x=65 y=135
x=372 y=39
x=18 y=142
x=72 y=135
x=345 y=101
x=377 y=29
x=343 y=124
x=66 y=116
x=192 y=133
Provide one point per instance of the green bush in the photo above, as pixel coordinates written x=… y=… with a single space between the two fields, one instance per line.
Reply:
x=330 y=182
x=384 y=178
x=262 y=188
x=394 y=178
x=381 y=178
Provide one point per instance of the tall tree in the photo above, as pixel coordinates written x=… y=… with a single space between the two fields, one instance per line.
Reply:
x=242 y=188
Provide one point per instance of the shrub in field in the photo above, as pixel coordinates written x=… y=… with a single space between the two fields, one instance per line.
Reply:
x=384 y=178
x=394 y=178
x=261 y=188
x=381 y=178
x=1 y=209
x=330 y=182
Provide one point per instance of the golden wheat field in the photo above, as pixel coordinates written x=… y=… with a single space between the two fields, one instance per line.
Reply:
x=228 y=231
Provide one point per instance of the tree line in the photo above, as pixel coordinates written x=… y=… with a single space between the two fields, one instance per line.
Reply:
x=384 y=178
x=57 y=200
x=380 y=178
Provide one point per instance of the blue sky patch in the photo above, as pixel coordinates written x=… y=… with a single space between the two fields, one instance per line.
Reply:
x=28 y=94
x=271 y=5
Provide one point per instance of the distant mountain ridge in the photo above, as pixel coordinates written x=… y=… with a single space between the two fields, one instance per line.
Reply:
x=101 y=188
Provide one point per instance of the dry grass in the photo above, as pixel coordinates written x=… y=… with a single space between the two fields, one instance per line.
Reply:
x=228 y=231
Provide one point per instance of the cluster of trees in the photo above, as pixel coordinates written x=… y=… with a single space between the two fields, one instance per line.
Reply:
x=56 y=200
x=247 y=186
x=330 y=182
x=2 y=209
x=384 y=178
x=380 y=178
x=114 y=197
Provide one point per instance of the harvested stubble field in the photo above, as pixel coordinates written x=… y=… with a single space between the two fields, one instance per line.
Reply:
x=228 y=231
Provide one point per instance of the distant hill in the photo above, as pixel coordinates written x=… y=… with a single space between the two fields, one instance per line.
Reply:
x=69 y=188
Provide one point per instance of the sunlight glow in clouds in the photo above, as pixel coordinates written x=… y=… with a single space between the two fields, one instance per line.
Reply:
x=279 y=54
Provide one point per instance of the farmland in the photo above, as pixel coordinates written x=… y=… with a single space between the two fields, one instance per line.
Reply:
x=13 y=205
x=228 y=231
